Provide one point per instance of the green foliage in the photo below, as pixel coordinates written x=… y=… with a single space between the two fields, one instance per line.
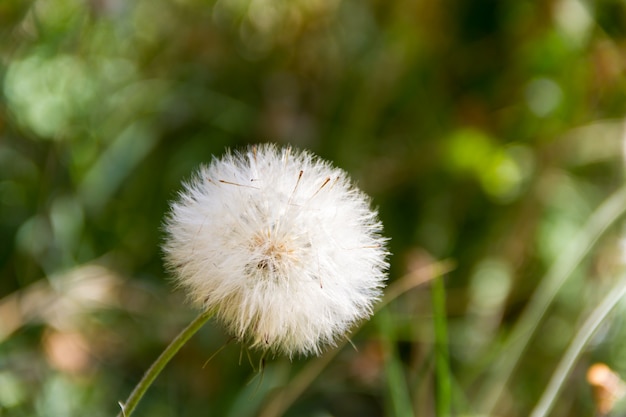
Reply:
x=488 y=133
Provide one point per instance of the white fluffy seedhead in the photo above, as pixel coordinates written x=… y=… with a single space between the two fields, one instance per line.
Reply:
x=281 y=245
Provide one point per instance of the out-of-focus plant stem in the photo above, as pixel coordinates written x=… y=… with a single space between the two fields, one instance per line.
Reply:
x=587 y=330
x=602 y=218
x=442 y=368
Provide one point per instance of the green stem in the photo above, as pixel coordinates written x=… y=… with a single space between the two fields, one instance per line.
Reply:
x=575 y=348
x=443 y=394
x=129 y=406
x=605 y=216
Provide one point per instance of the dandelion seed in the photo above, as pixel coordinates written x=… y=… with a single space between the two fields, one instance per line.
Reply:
x=257 y=254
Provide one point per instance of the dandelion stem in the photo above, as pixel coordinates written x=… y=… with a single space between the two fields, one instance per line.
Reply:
x=155 y=369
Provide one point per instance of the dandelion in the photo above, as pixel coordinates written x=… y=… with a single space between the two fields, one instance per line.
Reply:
x=280 y=245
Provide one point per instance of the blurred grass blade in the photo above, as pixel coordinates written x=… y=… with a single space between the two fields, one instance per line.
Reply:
x=396 y=383
x=442 y=365
x=585 y=333
x=603 y=217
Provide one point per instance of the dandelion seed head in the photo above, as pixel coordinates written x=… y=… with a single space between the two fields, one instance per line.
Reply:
x=279 y=243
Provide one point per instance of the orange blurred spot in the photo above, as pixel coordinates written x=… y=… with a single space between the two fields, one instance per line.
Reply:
x=67 y=351
x=608 y=388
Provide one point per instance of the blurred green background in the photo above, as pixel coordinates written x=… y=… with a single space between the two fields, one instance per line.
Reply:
x=487 y=133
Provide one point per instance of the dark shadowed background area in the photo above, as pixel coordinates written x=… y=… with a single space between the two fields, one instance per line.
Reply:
x=488 y=134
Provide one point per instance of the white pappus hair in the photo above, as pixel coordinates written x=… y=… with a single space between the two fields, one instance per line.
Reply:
x=281 y=245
